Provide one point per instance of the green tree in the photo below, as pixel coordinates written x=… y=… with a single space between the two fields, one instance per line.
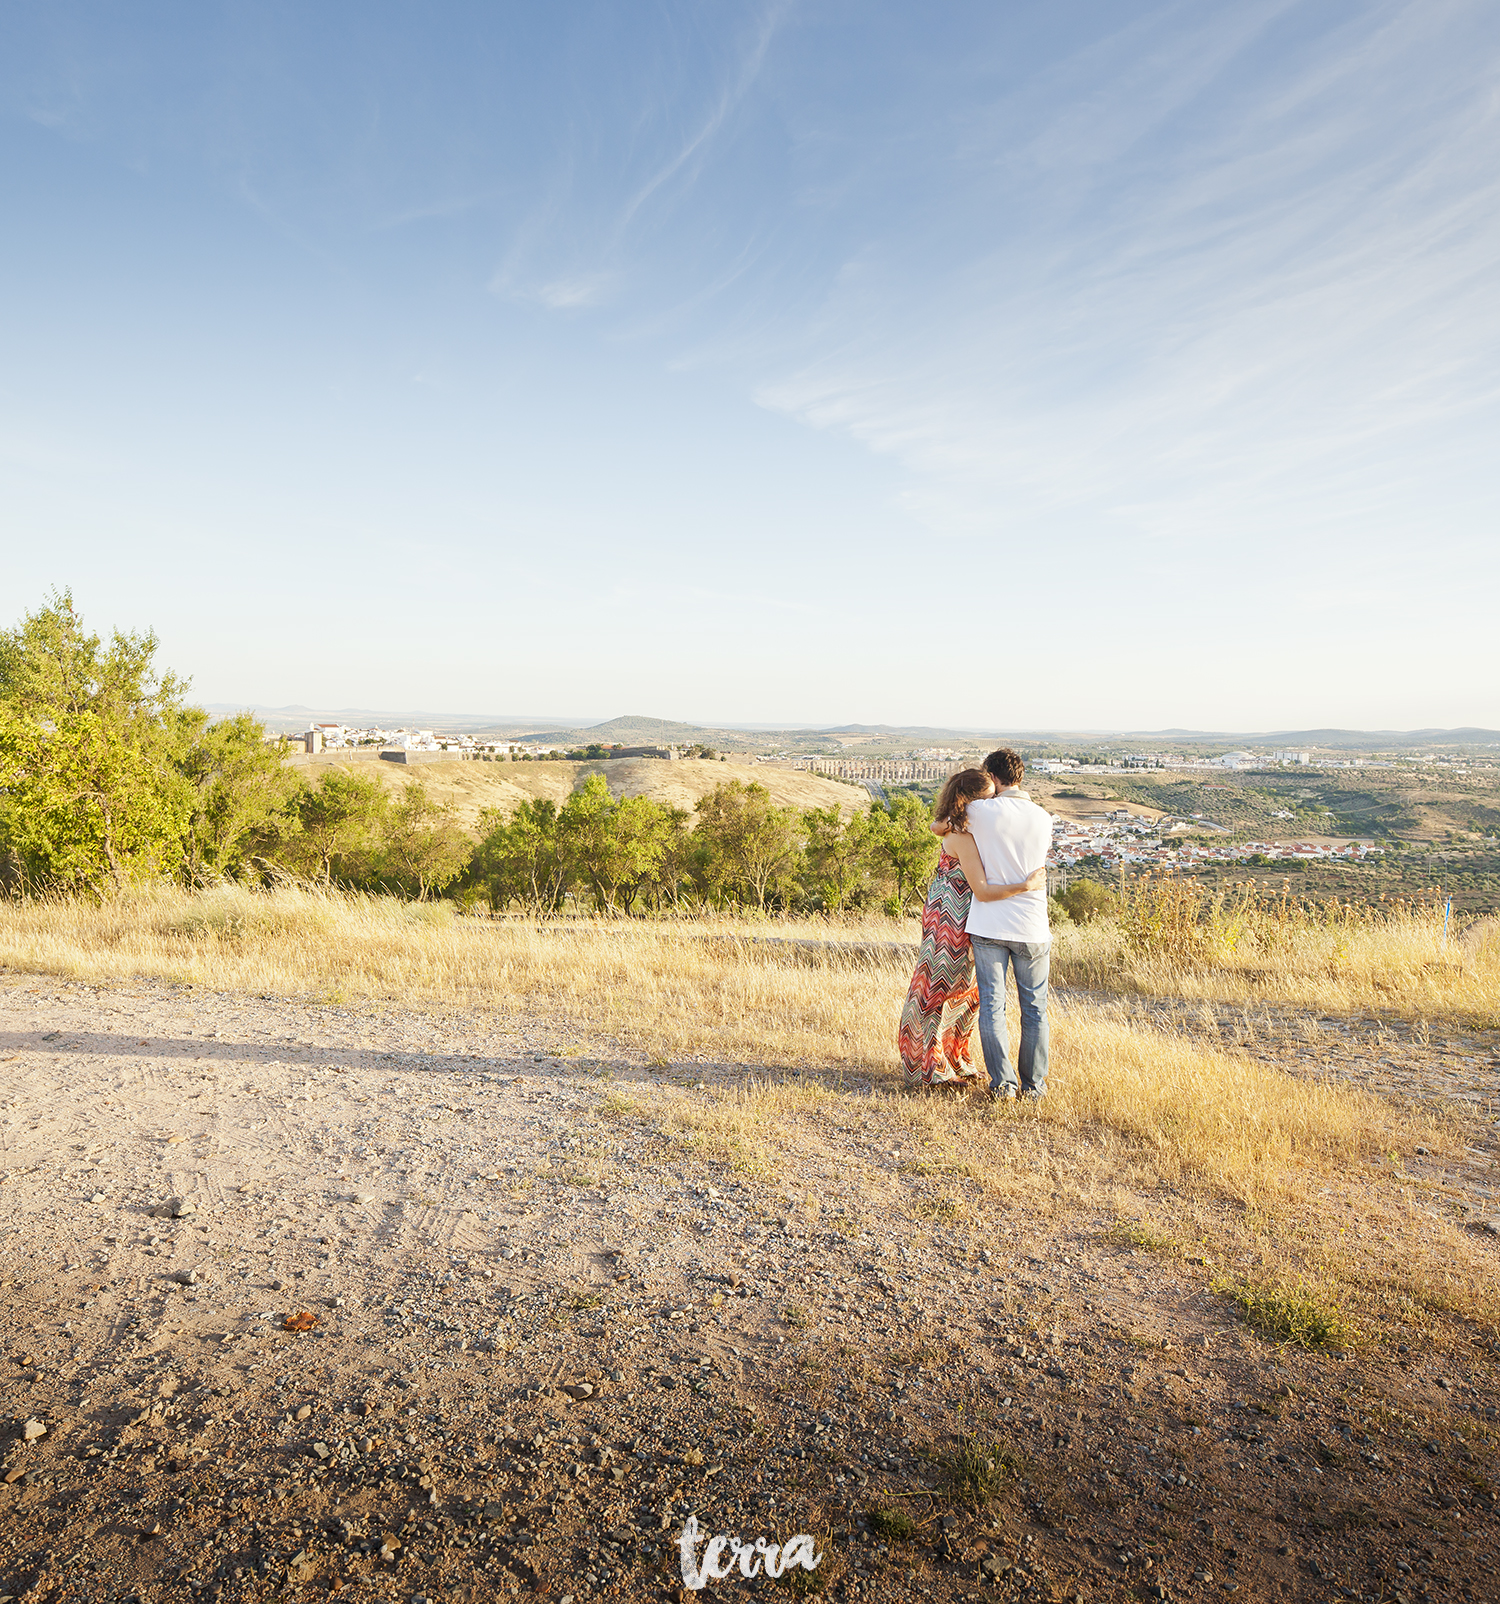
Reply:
x=750 y=849
x=1086 y=900
x=242 y=793
x=840 y=856
x=339 y=830
x=615 y=847
x=520 y=859
x=905 y=846
x=673 y=873
x=88 y=795
x=422 y=849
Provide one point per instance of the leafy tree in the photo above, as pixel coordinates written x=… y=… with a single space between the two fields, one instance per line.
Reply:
x=423 y=849
x=520 y=859
x=339 y=827
x=241 y=792
x=905 y=846
x=673 y=873
x=840 y=856
x=88 y=795
x=1086 y=900
x=750 y=849
x=615 y=847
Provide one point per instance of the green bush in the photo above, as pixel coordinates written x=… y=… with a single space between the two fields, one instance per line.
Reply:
x=1087 y=900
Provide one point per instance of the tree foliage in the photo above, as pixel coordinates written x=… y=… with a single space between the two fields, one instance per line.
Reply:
x=91 y=796
x=906 y=847
x=1086 y=900
x=749 y=847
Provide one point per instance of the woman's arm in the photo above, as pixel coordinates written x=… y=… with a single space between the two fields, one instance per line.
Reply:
x=962 y=847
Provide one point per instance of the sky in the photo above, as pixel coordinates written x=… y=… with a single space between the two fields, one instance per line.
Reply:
x=1048 y=365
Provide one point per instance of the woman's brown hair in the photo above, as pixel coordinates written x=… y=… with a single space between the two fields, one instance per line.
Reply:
x=962 y=788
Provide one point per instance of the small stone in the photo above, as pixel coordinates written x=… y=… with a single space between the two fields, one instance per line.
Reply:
x=579 y=1390
x=180 y=1207
x=322 y=1450
x=184 y=1278
x=303 y=1412
x=32 y=1430
x=694 y=1456
x=14 y=1474
x=98 y=1197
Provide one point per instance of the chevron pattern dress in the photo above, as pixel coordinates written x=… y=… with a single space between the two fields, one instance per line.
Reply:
x=930 y=1055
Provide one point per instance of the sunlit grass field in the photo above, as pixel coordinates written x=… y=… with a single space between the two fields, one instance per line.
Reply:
x=1237 y=1162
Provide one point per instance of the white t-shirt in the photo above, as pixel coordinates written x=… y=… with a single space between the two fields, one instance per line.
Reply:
x=1014 y=836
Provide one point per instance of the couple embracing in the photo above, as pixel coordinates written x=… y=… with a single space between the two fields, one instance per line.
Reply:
x=985 y=915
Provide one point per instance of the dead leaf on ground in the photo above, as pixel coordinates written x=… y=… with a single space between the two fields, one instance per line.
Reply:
x=303 y=1321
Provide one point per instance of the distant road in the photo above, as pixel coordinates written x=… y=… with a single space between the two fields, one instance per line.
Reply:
x=875 y=788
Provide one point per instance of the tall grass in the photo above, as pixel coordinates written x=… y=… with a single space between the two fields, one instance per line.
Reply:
x=1241 y=945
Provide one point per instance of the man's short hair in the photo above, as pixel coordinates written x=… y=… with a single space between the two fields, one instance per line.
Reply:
x=1006 y=766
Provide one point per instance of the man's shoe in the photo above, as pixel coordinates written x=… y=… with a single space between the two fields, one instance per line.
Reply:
x=1033 y=1094
x=1000 y=1094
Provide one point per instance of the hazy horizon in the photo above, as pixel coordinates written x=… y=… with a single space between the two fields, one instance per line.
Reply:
x=579 y=724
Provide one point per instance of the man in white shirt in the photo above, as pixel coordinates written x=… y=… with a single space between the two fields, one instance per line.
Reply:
x=1014 y=836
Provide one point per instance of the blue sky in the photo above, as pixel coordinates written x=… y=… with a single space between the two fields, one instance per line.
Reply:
x=1040 y=365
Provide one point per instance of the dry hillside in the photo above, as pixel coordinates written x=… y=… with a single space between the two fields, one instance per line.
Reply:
x=469 y=788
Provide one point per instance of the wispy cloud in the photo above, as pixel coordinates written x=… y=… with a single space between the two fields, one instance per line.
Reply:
x=574 y=244
x=1297 y=282
x=752 y=60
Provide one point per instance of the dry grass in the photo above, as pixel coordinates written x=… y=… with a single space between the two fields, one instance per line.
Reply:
x=1401 y=965
x=1275 y=1175
x=672 y=988
x=469 y=788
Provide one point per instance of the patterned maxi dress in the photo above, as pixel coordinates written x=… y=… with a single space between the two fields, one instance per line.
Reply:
x=930 y=1055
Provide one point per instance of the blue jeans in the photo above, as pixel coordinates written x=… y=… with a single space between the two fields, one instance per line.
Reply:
x=1032 y=960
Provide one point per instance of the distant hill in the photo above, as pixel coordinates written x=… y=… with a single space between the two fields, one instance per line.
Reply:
x=1359 y=740
x=639 y=729
x=634 y=729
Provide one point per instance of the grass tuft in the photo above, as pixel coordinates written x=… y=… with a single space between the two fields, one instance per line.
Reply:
x=978 y=1470
x=892 y=1523
x=1137 y=1234
x=1297 y=1314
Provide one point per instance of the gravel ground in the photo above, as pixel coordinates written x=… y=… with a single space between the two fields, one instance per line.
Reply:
x=543 y=1334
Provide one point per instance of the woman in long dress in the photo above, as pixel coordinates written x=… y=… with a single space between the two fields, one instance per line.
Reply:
x=932 y=1055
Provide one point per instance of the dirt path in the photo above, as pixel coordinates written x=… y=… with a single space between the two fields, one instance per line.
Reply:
x=477 y=1216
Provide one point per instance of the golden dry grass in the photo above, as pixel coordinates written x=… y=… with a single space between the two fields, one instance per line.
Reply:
x=1403 y=966
x=1236 y=1154
x=691 y=986
x=469 y=788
